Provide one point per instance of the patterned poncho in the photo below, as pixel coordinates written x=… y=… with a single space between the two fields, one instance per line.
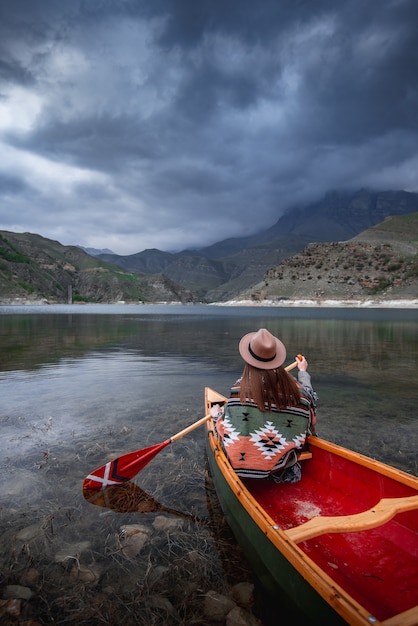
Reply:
x=258 y=443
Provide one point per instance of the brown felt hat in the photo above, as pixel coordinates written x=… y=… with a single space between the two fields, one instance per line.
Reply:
x=262 y=349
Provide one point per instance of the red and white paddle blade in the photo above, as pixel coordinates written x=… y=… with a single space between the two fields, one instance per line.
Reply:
x=123 y=468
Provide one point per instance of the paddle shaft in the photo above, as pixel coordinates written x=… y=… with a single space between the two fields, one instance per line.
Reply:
x=190 y=428
x=291 y=366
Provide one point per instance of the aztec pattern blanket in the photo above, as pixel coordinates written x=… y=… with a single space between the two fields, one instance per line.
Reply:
x=259 y=443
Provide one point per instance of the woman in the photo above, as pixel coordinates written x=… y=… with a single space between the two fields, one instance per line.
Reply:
x=269 y=413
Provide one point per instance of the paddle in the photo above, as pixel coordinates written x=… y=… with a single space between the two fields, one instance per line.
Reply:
x=128 y=465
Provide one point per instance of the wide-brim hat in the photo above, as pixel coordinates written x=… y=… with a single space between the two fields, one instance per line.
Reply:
x=262 y=349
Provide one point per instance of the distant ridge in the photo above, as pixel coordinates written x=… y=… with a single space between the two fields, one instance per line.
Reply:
x=95 y=251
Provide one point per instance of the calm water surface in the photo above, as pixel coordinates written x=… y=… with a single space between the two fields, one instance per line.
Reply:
x=81 y=385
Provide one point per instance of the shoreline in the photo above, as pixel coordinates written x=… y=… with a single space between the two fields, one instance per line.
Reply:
x=327 y=303
x=324 y=303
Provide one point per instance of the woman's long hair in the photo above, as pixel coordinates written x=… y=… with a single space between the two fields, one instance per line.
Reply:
x=267 y=387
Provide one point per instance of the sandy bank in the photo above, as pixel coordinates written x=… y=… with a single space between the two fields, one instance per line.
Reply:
x=377 y=304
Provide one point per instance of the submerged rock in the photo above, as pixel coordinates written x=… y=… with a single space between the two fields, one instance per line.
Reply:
x=30 y=532
x=133 y=538
x=85 y=574
x=12 y=607
x=71 y=551
x=161 y=602
x=217 y=606
x=166 y=523
x=243 y=594
x=240 y=617
x=17 y=591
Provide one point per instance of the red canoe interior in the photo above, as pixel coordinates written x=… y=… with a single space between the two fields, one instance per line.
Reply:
x=377 y=567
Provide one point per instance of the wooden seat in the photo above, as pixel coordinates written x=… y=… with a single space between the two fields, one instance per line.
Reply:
x=305 y=455
x=381 y=513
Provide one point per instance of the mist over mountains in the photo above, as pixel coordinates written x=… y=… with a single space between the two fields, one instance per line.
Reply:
x=225 y=269
x=303 y=254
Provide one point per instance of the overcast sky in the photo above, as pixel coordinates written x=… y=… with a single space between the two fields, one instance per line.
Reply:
x=170 y=124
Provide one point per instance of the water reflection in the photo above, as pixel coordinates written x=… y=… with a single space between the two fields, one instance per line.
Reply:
x=79 y=390
x=130 y=498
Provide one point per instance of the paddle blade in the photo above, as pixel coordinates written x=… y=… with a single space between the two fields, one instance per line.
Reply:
x=123 y=468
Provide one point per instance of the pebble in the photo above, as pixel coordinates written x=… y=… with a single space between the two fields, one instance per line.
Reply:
x=240 y=617
x=17 y=591
x=30 y=532
x=217 y=606
x=133 y=538
x=233 y=609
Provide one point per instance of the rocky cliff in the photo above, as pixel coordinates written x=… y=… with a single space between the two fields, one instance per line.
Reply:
x=380 y=263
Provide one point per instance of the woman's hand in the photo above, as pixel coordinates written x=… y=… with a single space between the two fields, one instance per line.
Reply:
x=302 y=363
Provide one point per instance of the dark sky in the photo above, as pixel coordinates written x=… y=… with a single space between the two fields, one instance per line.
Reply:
x=134 y=124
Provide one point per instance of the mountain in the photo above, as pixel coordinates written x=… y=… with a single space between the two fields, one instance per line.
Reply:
x=36 y=269
x=225 y=269
x=381 y=262
x=342 y=215
x=293 y=258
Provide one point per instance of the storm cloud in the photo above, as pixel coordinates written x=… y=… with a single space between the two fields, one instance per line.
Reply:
x=170 y=124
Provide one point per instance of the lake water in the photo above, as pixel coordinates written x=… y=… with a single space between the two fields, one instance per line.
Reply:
x=81 y=385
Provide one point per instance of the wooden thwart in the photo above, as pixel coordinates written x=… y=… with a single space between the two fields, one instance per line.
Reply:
x=384 y=511
x=305 y=456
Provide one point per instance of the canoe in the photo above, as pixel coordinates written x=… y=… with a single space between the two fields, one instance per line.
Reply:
x=341 y=545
